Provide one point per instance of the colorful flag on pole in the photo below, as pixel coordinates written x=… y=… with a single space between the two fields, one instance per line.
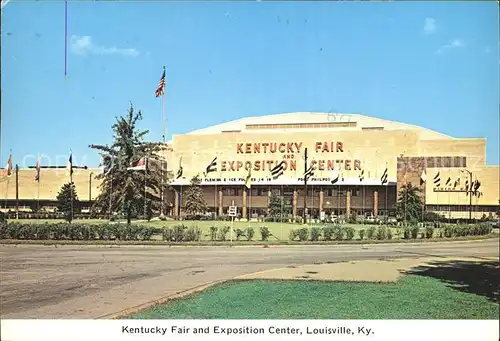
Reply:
x=278 y=170
x=181 y=170
x=383 y=179
x=437 y=180
x=423 y=178
x=335 y=177
x=9 y=166
x=69 y=167
x=212 y=167
x=448 y=182
x=160 y=89
x=248 y=180
x=140 y=165
x=37 y=170
x=309 y=173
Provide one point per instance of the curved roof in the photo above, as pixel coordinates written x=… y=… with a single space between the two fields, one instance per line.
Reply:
x=288 y=122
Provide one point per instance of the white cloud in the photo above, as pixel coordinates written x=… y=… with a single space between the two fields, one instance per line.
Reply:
x=430 y=26
x=84 y=46
x=452 y=44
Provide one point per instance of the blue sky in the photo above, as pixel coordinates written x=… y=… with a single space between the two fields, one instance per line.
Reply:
x=433 y=64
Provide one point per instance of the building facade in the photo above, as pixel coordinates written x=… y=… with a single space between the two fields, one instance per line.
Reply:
x=356 y=148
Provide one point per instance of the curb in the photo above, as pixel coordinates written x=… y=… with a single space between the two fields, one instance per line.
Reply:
x=162 y=300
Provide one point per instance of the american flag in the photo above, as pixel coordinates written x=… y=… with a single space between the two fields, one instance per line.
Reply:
x=160 y=89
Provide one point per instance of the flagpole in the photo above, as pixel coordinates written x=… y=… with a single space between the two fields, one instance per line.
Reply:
x=17 y=191
x=449 y=207
x=312 y=205
x=110 y=196
x=386 y=205
x=6 y=193
x=145 y=176
x=38 y=188
x=250 y=204
x=38 y=201
x=423 y=202
x=65 y=39
x=163 y=116
x=71 y=182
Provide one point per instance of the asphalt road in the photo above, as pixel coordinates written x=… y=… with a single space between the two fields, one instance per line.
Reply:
x=90 y=282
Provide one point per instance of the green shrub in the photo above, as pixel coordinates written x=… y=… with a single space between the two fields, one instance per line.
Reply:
x=103 y=231
x=146 y=233
x=222 y=232
x=74 y=231
x=429 y=232
x=27 y=231
x=239 y=233
x=178 y=233
x=88 y=232
x=389 y=233
x=338 y=232
x=315 y=233
x=60 y=231
x=213 y=233
x=264 y=233
x=370 y=234
x=484 y=229
x=361 y=234
x=328 y=233
x=407 y=233
x=381 y=233
x=294 y=233
x=4 y=232
x=249 y=233
x=192 y=234
x=167 y=234
x=349 y=232
x=448 y=231
x=414 y=231
x=303 y=234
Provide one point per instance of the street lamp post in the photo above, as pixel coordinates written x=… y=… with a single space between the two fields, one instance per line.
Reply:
x=469 y=192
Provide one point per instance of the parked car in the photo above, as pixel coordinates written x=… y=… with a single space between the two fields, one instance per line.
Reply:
x=392 y=221
x=370 y=220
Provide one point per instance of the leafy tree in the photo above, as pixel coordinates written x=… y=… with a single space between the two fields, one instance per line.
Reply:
x=275 y=205
x=409 y=204
x=195 y=203
x=127 y=190
x=66 y=198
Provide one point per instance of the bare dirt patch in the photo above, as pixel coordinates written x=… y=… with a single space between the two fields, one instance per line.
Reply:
x=359 y=271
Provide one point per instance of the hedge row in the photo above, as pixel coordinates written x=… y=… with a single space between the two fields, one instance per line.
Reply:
x=76 y=231
x=466 y=230
x=183 y=233
x=327 y=233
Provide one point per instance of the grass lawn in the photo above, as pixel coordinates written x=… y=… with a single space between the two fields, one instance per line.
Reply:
x=411 y=297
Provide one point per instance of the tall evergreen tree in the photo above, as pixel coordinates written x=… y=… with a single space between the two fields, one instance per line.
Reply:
x=409 y=203
x=275 y=206
x=64 y=201
x=195 y=203
x=122 y=190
